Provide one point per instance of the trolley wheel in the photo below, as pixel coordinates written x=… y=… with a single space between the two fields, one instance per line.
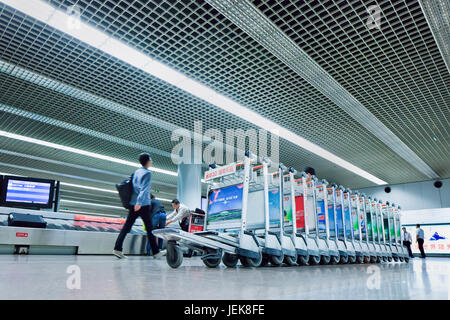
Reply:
x=230 y=260
x=395 y=259
x=276 y=260
x=352 y=259
x=401 y=259
x=343 y=259
x=366 y=259
x=212 y=262
x=314 y=260
x=359 y=259
x=174 y=255
x=389 y=259
x=325 y=259
x=290 y=261
x=302 y=260
x=334 y=259
x=407 y=260
x=385 y=259
x=265 y=260
x=373 y=259
x=379 y=259
x=251 y=262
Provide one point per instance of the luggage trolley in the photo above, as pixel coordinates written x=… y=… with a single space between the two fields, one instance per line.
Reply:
x=361 y=248
x=307 y=224
x=327 y=243
x=366 y=204
x=386 y=232
x=237 y=244
x=343 y=206
x=287 y=240
x=294 y=220
x=385 y=253
x=398 y=225
x=266 y=197
x=397 y=251
x=276 y=247
x=335 y=214
x=376 y=226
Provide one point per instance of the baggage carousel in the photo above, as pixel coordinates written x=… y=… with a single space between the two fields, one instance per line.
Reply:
x=67 y=233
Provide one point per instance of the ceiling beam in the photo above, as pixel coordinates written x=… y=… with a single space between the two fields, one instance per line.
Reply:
x=437 y=14
x=254 y=23
x=82 y=130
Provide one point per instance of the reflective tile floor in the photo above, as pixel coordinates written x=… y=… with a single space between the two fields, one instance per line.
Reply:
x=105 y=277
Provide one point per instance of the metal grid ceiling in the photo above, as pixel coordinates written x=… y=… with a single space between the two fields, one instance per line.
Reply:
x=286 y=96
x=397 y=72
x=194 y=38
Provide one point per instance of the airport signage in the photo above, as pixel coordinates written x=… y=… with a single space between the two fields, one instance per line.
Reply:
x=220 y=172
x=21 y=235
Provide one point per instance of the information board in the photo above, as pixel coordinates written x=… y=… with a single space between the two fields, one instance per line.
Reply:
x=437 y=239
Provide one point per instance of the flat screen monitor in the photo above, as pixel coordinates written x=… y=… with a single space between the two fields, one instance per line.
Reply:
x=27 y=192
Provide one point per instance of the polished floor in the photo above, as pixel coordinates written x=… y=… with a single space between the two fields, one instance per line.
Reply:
x=105 y=277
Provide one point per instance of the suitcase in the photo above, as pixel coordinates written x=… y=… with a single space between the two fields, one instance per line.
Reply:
x=26 y=220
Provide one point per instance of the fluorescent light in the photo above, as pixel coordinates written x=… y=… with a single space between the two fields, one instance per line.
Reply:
x=90 y=213
x=101 y=205
x=40 y=11
x=79 y=151
x=87 y=187
x=163 y=199
x=91 y=204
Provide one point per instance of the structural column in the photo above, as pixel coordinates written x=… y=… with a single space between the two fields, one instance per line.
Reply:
x=189 y=190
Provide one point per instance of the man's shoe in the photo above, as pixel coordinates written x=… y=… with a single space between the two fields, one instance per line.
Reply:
x=160 y=254
x=119 y=254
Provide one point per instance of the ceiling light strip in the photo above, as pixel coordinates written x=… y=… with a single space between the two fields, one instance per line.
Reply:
x=79 y=151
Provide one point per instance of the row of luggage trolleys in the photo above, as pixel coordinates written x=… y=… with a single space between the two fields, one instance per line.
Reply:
x=285 y=217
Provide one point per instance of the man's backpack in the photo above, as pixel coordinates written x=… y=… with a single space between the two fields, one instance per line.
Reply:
x=125 y=189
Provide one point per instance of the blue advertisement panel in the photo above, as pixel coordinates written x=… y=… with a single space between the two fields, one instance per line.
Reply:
x=348 y=222
x=339 y=221
x=331 y=220
x=369 y=225
x=321 y=216
x=225 y=203
x=274 y=206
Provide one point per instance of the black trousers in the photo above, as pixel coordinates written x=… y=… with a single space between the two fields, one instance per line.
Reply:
x=422 y=252
x=407 y=244
x=144 y=213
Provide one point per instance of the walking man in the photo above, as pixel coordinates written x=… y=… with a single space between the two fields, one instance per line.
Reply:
x=420 y=236
x=407 y=240
x=139 y=207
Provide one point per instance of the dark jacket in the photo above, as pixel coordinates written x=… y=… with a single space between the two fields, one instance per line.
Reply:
x=156 y=207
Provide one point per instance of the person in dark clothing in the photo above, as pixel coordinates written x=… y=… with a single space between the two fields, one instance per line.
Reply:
x=420 y=236
x=158 y=216
x=310 y=172
x=407 y=240
x=139 y=207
